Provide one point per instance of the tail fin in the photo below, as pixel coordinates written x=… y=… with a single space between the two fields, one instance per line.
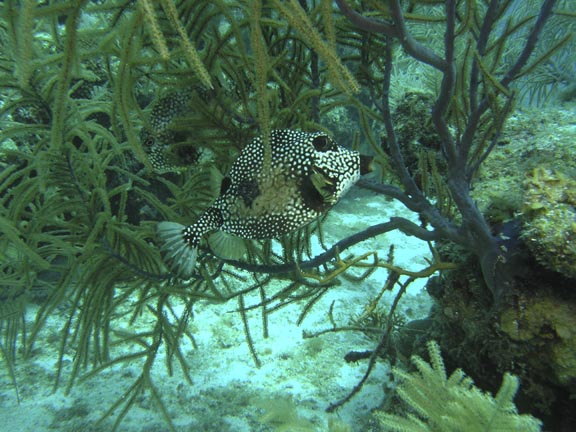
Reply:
x=180 y=254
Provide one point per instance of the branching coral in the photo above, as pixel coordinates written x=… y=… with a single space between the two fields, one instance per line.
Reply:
x=453 y=403
x=77 y=184
x=473 y=93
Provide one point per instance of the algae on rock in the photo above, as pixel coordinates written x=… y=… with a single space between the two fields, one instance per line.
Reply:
x=549 y=215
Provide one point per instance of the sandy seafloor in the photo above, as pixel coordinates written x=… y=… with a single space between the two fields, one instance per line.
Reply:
x=227 y=384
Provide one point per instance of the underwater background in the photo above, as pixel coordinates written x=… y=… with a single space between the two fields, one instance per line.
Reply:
x=438 y=294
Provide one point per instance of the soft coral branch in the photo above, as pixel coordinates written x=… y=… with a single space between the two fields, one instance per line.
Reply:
x=471 y=231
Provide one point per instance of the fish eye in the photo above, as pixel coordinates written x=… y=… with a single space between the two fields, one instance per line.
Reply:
x=322 y=143
x=148 y=141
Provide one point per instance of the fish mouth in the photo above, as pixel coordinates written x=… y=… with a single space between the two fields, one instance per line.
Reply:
x=366 y=164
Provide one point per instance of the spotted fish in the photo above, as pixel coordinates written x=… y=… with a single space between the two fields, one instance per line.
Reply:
x=167 y=147
x=308 y=174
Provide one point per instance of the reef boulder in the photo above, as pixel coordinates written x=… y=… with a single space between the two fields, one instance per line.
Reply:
x=549 y=213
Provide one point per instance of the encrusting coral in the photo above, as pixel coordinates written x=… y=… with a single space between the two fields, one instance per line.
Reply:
x=547 y=324
x=550 y=219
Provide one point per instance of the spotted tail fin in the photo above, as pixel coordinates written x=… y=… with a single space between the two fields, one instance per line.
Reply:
x=180 y=254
